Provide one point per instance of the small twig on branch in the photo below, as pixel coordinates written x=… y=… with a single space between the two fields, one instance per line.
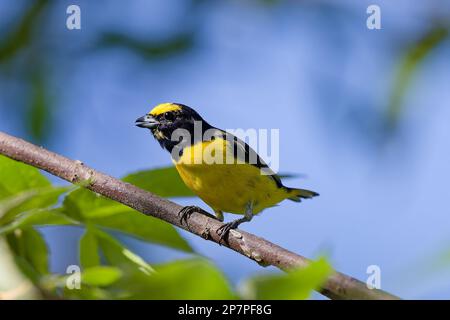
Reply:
x=338 y=285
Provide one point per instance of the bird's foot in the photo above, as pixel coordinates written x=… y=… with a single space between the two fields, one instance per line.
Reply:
x=186 y=212
x=224 y=229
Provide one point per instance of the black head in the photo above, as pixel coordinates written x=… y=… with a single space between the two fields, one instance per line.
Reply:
x=165 y=118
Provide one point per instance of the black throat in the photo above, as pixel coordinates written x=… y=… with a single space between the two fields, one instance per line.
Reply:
x=177 y=136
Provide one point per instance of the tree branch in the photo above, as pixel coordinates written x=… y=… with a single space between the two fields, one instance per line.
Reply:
x=338 y=285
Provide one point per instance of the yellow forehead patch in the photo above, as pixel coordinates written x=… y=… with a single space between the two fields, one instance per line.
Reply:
x=164 y=107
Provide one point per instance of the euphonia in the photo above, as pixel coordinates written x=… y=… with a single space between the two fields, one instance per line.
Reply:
x=201 y=154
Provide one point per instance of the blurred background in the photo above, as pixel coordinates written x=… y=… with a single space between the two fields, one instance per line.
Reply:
x=363 y=114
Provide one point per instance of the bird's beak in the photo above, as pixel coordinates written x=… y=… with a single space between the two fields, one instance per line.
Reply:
x=147 y=121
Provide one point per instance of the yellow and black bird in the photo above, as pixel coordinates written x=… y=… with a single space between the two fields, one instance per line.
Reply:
x=236 y=186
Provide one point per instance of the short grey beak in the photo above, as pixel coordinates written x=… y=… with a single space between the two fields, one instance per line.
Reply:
x=147 y=121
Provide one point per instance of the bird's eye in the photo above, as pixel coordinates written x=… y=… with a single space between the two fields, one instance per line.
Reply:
x=169 y=116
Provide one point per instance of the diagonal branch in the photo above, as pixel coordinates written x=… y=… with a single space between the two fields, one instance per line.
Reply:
x=338 y=285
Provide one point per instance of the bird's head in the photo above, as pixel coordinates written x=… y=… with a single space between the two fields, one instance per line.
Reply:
x=165 y=118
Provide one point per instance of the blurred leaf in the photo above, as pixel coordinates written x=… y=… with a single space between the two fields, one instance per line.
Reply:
x=13 y=283
x=164 y=182
x=28 y=200
x=39 y=110
x=92 y=279
x=85 y=205
x=410 y=62
x=88 y=293
x=148 y=49
x=145 y=228
x=23 y=187
x=431 y=265
x=295 y=285
x=38 y=218
x=100 y=276
x=36 y=250
x=31 y=252
x=45 y=217
x=89 y=255
x=20 y=36
x=118 y=255
x=11 y=202
x=170 y=281
x=16 y=177
x=184 y=279
x=270 y=2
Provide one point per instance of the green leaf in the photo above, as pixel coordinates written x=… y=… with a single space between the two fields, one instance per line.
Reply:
x=31 y=252
x=32 y=199
x=133 y=278
x=88 y=293
x=20 y=35
x=164 y=182
x=23 y=188
x=16 y=177
x=145 y=228
x=295 y=285
x=148 y=49
x=38 y=218
x=84 y=205
x=12 y=202
x=184 y=279
x=409 y=65
x=39 y=108
x=36 y=250
x=91 y=282
x=119 y=255
x=101 y=276
x=89 y=255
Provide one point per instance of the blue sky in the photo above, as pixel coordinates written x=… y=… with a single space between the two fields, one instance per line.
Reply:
x=314 y=72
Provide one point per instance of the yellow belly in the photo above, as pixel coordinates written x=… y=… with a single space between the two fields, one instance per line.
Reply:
x=229 y=187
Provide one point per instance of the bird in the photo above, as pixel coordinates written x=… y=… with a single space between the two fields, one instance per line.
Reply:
x=235 y=185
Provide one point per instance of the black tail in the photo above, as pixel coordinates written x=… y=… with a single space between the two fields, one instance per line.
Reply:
x=298 y=194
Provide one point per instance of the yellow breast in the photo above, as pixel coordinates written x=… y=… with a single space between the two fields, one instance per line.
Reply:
x=226 y=187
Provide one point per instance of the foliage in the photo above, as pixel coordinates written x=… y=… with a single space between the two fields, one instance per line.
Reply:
x=156 y=181
x=21 y=41
x=21 y=35
x=409 y=64
x=297 y=284
x=148 y=49
x=109 y=270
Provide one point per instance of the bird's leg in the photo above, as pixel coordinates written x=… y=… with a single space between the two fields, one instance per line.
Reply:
x=224 y=229
x=186 y=212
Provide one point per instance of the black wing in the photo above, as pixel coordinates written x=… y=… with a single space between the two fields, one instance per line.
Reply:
x=243 y=152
